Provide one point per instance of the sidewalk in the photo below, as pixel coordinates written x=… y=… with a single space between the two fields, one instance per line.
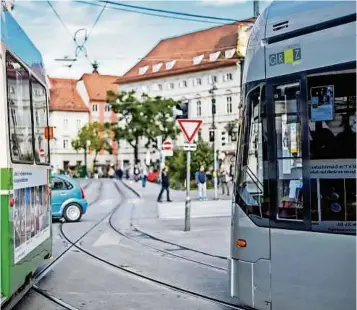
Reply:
x=208 y=234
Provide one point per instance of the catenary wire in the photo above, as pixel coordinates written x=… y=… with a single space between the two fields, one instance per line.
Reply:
x=169 y=12
x=150 y=14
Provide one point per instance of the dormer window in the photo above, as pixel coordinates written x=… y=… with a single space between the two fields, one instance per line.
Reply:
x=197 y=60
x=214 y=56
x=229 y=53
x=143 y=70
x=169 y=65
x=157 y=67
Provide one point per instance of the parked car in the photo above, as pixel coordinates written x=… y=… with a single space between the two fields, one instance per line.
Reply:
x=68 y=199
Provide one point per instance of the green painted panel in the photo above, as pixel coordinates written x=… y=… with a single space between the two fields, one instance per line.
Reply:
x=13 y=276
x=6 y=182
x=5 y=250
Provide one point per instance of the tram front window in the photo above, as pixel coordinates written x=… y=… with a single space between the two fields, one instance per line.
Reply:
x=289 y=153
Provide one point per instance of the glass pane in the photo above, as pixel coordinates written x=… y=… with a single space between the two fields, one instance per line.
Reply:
x=287 y=120
x=39 y=102
x=288 y=147
x=250 y=182
x=332 y=126
x=19 y=109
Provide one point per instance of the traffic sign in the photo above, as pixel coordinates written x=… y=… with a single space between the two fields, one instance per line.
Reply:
x=189 y=147
x=42 y=153
x=190 y=127
x=167 y=148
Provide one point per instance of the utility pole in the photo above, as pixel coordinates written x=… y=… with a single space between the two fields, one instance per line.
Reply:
x=188 y=199
x=215 y=180
x=256 y=8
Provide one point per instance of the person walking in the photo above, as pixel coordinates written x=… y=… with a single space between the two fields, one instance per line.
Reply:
x=225 y=180
x=144 y=176
x=201 y=180
x=165 y=185
x=136 y=173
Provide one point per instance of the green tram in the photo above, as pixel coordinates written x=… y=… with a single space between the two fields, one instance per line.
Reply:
x=26 y=233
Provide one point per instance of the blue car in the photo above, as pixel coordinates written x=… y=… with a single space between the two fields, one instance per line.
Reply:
x=68 y=199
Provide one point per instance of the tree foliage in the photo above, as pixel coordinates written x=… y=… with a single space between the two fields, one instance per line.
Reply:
x=94 y=137
x=142 y=117
x=203 y=156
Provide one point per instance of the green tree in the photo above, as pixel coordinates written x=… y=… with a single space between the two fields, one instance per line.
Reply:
x=203 y=156
x=142 y=117
x=95 y=137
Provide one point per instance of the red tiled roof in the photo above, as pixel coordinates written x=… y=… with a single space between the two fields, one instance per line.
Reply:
x=64 y=96
x=183 y=49
x=97 y=85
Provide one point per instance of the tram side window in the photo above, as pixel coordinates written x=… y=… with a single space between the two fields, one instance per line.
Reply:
x=289 y=154
x=332 y=109
x=19 y=111
x=39 y=103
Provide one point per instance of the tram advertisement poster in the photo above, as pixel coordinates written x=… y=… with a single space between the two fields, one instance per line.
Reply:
x=31 y=213
x=322 y=99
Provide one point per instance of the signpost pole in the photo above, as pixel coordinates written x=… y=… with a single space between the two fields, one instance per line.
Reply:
x=188 y=199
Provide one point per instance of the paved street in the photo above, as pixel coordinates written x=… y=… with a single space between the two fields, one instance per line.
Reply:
x=120 y=249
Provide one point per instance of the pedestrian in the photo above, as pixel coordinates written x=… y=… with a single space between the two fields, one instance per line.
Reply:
x=136 y=173
x=165 y=185
x=201 y=180
x=144 y=176
x=111 y=172
x=224 y=176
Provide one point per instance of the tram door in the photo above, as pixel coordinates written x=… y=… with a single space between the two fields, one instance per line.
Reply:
x=286 y=148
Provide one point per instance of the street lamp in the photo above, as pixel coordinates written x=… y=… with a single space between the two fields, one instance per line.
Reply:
x=87 y=145
x=215 y=181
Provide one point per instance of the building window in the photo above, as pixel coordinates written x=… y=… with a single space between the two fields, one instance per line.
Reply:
x=171 y=85
x=94 y=107
x=65 y=123
x=199 y=108
x=199 y=81
x=229 y=105
x=107 y=108
x=213 y=79
x=79 y=124
x=159 y=86
x=229 y=77
x=183 y=83
x=65 y=144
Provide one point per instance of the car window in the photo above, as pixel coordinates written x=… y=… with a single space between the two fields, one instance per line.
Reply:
x=68 y=185
x=57 y=185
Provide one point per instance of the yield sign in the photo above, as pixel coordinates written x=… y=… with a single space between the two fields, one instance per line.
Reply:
x=189 y=127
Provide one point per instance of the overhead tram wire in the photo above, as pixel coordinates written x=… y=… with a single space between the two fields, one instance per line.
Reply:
x=169 y=12
x=79 y=47
x=151 y=14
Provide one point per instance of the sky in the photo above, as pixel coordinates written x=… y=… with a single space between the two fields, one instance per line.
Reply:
x=120 y=38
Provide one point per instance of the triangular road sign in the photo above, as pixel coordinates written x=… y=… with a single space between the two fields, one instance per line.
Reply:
x=190 y=127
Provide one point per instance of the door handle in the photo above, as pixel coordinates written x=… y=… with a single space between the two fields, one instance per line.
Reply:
x=63 y=194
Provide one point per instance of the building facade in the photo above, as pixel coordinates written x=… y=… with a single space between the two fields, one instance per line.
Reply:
x=68 y=114
x=189 y=68
x=93 y=90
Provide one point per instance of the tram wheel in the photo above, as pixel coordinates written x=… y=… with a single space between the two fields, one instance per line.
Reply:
x=72 y=213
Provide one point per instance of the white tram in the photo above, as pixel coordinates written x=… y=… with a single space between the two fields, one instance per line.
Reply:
x=293 y=231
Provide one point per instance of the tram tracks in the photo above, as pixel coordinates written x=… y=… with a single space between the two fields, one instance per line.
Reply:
x=137 y=274
x=166 y=252
x=181 y=247
x=50 y=266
